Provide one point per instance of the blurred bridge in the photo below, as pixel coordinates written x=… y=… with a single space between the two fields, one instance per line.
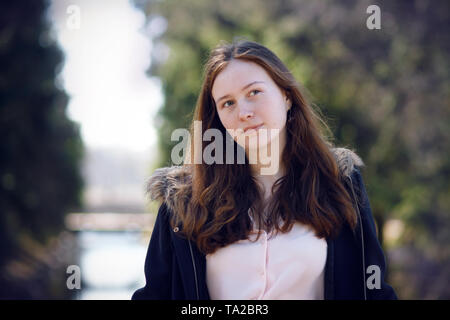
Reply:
x=142 y=222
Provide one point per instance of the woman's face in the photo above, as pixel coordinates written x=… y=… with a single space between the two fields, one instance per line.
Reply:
x=246 y=96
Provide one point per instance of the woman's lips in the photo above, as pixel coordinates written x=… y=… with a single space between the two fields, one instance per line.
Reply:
x=253 y=128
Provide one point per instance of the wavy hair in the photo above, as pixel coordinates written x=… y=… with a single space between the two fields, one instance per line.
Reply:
x=311 y=192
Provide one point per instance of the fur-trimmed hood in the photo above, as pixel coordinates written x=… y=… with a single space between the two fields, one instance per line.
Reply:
x=167 y=184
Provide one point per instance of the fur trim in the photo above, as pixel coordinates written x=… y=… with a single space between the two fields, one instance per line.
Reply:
x=168 y=184
x=346 y=160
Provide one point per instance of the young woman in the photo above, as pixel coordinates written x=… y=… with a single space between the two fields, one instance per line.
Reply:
x=232 y=230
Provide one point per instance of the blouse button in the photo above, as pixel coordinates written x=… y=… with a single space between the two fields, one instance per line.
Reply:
x=176 y=229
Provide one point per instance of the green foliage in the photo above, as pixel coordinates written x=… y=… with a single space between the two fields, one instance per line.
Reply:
x=40 y=148
x=385 y=93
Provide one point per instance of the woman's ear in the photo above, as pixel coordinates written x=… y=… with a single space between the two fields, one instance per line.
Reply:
x=288 y=103
x=287 y=99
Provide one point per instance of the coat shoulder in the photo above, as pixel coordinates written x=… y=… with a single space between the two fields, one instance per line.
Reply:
x=170 y=186
x=347 y=160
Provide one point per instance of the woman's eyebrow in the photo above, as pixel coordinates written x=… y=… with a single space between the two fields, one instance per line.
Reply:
x=245 y=87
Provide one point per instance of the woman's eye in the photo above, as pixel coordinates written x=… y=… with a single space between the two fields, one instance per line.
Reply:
x=226 y=103
x=229 y=102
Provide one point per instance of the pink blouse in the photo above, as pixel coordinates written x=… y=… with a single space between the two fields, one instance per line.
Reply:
x=284 y=267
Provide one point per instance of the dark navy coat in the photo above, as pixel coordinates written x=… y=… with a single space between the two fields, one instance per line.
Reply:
x=176 y=269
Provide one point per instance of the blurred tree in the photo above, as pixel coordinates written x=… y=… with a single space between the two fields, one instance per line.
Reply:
x=385 y=93
x=40 y=151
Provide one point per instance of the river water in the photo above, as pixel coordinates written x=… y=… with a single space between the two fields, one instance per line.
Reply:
x=111 y=264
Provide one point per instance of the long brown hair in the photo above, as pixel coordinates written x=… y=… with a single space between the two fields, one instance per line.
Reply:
x=311 y=191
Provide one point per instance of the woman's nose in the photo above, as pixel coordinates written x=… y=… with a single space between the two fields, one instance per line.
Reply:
x=245 y=112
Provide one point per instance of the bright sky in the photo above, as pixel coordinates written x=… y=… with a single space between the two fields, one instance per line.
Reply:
x=104 y=72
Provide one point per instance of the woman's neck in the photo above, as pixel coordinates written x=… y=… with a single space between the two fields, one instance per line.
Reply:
x=267 y=181
x=268 y=167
